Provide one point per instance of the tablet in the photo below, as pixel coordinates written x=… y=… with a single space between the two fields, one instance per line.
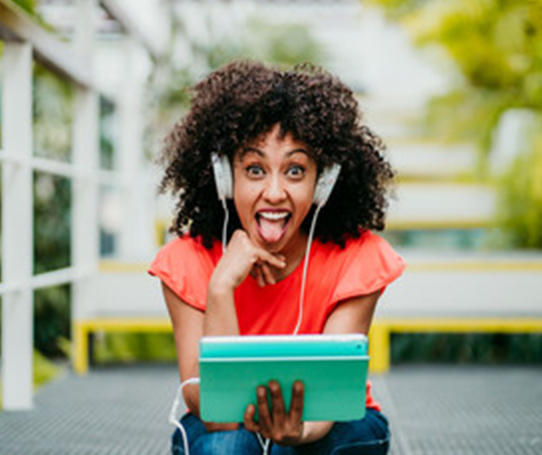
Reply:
x=333 y=369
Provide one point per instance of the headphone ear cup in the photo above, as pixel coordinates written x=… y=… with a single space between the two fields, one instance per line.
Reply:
x=223 y=176
x=324 y=185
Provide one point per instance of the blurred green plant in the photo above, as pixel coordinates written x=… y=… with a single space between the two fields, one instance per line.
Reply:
x=168 y=89
x=52 y=320
x=44 y=371
x=495 y=47
x=131 y=347
x=52 y=115
x=520 y=211
x=28 y=5
x=467 y=348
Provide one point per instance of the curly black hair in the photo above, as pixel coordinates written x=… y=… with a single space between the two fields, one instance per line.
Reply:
x=241 y=102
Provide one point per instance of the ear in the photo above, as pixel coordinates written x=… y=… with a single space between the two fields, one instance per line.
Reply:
x=325 y=184
x=223 y=176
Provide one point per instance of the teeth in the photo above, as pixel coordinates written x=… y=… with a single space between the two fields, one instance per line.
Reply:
x=273 y=215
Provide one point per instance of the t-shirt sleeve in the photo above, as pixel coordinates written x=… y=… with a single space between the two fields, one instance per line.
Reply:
x=370 y=265
x=185 y=267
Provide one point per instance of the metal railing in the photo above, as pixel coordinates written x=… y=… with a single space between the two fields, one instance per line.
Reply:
x=25 y=41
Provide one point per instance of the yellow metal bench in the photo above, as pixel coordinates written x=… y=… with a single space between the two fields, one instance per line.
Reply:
x=382 y=328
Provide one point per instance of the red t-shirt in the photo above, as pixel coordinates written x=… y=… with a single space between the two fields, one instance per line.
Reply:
x=365 y=265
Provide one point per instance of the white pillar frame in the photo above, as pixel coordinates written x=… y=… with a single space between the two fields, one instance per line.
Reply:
x=135 y=186
x=85 y=158
x=17 y=238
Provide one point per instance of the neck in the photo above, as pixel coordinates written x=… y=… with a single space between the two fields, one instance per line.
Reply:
x=293 y=255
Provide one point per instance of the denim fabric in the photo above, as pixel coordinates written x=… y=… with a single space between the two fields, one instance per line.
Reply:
x=201 y=442
x=368 y=436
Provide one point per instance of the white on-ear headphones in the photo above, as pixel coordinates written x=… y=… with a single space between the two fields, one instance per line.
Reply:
x=223 y=176
x=224 y=180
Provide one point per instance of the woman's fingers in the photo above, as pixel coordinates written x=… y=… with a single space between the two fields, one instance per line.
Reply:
x=259 y=275
x=271 y=259
x=248 y=419
x=298 y=400
x=265 y=421
x=267 y=274
x=277 y=401
x=276 y=423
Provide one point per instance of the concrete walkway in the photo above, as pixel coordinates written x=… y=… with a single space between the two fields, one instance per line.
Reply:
x=434 y=410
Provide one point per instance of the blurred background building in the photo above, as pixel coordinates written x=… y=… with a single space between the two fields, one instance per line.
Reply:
x=89 y=89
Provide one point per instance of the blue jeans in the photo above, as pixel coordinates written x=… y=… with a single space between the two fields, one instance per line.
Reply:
x=368 y=436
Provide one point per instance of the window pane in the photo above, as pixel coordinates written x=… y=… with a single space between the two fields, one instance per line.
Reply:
x=108 y=128
x=52 y=320
x=52 y=212
x=439 y=239
x=110 y=218
x=53 y=115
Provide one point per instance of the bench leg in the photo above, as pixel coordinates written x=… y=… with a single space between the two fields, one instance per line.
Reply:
x=379 y=348
x=80 y=348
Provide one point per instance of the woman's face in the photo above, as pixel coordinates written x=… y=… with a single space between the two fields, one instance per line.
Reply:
x=273 y=188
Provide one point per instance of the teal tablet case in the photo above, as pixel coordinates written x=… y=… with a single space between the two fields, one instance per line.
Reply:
x=333 y=369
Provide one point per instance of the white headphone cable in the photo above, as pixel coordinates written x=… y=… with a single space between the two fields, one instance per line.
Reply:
x=305 y=269
x=264 y=443
x=225 y=226
x=173 y=413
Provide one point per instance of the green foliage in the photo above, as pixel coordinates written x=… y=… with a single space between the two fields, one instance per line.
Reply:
x=52 y=219
x=284 y=45
x=168 y=94
x=130 y=347
x=467 y=348
x=496 y=47
x=52 y=115
x=44 y=371
x=521 y=199
x=52 y=320
x=28 y=5
x=107 y=133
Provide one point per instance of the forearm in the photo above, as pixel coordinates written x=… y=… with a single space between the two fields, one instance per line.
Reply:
x=313 y=431
x=191 y=398
x=220 y=315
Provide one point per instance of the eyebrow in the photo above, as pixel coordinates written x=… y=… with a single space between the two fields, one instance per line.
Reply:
x=246 y=150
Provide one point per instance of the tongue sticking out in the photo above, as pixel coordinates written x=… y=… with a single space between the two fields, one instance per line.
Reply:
x=271 y=230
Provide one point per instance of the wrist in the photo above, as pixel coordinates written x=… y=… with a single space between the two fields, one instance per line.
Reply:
x=313 y=431
x=220 y=288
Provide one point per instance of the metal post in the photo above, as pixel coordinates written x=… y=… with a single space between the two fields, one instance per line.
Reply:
x=85 y=234
x=17 y=240
x=379 y=347
x=136 y=240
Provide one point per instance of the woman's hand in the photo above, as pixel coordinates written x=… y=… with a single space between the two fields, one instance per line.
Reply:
x=241 y=258
x=284 y=428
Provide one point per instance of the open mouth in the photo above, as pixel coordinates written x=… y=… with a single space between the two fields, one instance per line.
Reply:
x=272 y=224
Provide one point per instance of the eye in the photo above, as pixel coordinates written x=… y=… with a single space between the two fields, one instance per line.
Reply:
x=296 y=171
x=255 y=171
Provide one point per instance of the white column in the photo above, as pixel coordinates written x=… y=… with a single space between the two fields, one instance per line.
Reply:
x=17 y=240
x=136 y=239
x=85 y=233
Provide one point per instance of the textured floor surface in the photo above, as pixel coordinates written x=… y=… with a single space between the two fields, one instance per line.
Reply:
x=463 y=410
x=433 y=410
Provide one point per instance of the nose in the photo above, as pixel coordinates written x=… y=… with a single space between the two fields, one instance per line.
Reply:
x=274 y=191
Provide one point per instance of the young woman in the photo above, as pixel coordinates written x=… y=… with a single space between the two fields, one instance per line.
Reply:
x=278 y=130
